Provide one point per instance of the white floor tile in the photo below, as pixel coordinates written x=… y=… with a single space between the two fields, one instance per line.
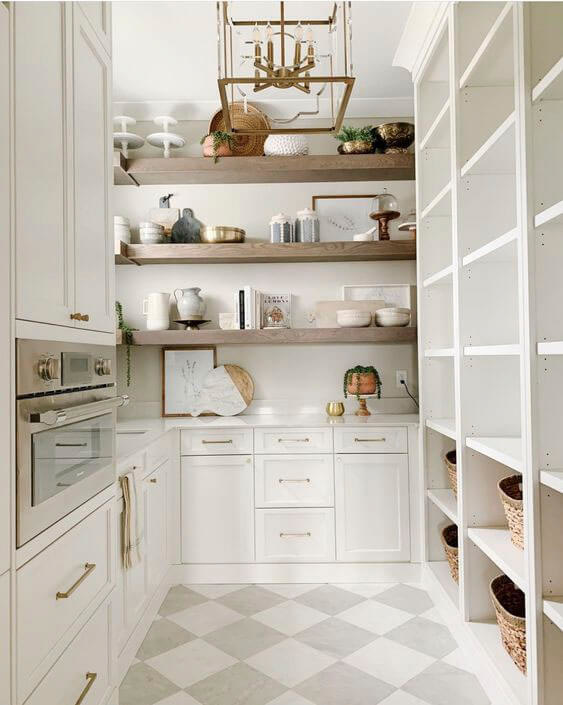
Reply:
x=290 y=698
x=212 y=592
x=205 y=618
x=390 y=662
x=290 y=591
x=366 y=589
x=433 y=615
x=290 y=662
x=375 y=616
x=178 y=699
x=191 y=663
x=399 y=697
x=458 y=659
x=290 y=617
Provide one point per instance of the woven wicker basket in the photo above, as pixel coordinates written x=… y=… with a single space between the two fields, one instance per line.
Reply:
x=510 y=490
x=450 y=460
x=252 y=119
x=509 y=603
x=449 y=540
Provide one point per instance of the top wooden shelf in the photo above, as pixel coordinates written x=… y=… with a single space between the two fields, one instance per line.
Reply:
x=263 y=170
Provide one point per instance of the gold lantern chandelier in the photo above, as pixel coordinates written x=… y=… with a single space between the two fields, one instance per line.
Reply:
x=313 y=56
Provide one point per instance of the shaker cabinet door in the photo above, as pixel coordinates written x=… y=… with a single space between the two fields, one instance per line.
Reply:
x=5 y=669
x=157 y=546
x=372 y=507
x=94 y=258
x=99 y=16
x=43 y=227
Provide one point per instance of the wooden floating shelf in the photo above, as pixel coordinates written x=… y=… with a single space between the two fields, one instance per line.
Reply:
x=263 y=252
x=273 y=336
x=143 y=171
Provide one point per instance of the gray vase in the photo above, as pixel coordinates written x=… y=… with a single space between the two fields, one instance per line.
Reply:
x=186 y=228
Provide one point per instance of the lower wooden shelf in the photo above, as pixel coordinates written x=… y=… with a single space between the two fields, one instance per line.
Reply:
x=273 y=336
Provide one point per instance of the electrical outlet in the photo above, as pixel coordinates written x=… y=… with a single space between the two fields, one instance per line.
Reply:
x=400 y=377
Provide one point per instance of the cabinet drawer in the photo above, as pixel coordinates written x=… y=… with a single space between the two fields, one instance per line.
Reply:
x=217 y=442
x=294 y=480
x=294 y=535
x=79 y=565
x=84 y=664
x=293 y=440
x=388 y=439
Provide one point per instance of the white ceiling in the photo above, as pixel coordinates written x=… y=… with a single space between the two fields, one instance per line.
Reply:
x=165 y=57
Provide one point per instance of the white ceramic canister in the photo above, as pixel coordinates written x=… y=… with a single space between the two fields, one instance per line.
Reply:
x=156 y=307
x=286 y=146
x=281 y=228
x=307 y=226
x=191 y=305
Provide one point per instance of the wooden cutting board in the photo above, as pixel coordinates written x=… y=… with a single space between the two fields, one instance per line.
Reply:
x=242 y=381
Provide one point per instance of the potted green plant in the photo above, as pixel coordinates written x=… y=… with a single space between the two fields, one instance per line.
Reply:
x=356 y=140
x=127 y=333
x=217 y=144
x=360 y=381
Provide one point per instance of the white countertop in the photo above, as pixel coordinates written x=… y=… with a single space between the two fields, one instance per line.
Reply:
x=129 y=442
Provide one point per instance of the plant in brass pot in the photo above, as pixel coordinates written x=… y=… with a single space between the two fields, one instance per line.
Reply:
x=356 y=140
x=127 y=333
x=218 y=144
x=359 y=381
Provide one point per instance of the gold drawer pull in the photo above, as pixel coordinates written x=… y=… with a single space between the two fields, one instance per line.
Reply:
x=290 y=534
x=88 y=568
x=369 y=440
x=294 y=440
x=90 y=677
x=71 y=445
x=297 y=479
x=79 y=316
x=210 y=442
x=153 y=480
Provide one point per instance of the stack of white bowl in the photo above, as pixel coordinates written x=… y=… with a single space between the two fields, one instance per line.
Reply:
x=121 y=229
x=391 y=316
x=151 y=233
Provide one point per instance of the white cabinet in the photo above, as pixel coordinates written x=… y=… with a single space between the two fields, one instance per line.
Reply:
x=217 y=509
x=216 y=441
x=294 y=535
x=293 y=440
x=99 y=16
x=156 y=524
x=294 y=481
x=62 y=132
x=372 y=507
x=370 y=440
x=5 y=640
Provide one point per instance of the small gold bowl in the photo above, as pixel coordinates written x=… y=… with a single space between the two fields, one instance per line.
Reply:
x=335 y=408
x=221 y=233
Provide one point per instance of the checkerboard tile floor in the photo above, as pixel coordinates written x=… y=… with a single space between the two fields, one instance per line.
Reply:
x=299 y=645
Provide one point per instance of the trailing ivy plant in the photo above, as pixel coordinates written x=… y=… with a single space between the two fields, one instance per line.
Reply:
x=127 y=333
x=351 y=134
x=359 y=370
x=219 y=138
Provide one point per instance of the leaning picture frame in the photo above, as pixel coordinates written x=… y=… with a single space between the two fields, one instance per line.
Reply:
x=343 y=216
x=183 y=373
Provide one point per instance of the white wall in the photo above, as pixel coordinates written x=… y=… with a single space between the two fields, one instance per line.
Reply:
x=311 y=374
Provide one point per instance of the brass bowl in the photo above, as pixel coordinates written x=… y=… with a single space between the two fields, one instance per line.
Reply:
x=221 y=233
x=395 y=136
x=335 y=408
x=357 y=147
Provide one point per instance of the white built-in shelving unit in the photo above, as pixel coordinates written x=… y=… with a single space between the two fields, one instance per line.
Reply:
x=489 y=114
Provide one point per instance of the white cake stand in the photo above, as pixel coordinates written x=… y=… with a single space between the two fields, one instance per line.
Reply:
x=123 y=139
x=165 y=140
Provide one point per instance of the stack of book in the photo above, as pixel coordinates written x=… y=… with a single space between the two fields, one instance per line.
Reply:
x=255 y=309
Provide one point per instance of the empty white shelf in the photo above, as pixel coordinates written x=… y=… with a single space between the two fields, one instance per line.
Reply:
x=496 y=544
x=438 y=135
x=553 y=347
x=492 y=247
x=439 y=205
x=446 y=502
x=497 y=154
x=439 y=352
x=553 y=214
x=440 y=277
x=551 y=85
x=494 y=57
x=505 y=450
x=553 y=608
x=553 y=479
x=487 y=635
x=444 y=426
x=441 y=573
x=474 y=350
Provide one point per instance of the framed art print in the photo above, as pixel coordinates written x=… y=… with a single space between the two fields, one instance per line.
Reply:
x=183 y=373
x=342 y=217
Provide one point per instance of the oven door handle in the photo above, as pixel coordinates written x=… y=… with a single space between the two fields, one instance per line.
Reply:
x=52 y=417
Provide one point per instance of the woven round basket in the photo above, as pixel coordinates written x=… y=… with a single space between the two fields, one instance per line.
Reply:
x=510 y=490
x=450 y=460
x=449 y=540
x=253 y=119
x=510 y=608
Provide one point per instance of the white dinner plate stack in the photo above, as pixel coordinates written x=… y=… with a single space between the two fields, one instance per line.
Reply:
x=150 y=233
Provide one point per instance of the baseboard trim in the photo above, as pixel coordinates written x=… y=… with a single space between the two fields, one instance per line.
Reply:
x=295 y=573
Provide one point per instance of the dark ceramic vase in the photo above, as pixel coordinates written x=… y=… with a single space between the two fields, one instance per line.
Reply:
x=186 y=228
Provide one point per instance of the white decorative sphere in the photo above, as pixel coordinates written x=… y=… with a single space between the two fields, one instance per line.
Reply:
x=286 y=146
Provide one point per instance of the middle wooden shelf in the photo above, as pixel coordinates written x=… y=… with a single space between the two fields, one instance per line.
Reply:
x=273 y=336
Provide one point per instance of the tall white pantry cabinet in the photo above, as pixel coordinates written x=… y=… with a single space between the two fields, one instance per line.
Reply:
x=489 y=148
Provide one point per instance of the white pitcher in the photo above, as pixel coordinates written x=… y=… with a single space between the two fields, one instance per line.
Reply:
x=191 y=305
x=156 y=307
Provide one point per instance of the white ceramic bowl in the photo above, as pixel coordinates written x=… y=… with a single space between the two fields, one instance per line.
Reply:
x=150 y=237
x=391 y=316
x=150 y=224
x=350 y=318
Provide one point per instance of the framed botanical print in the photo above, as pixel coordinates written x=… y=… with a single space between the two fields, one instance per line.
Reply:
x=183 y=373
x=342 y=217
